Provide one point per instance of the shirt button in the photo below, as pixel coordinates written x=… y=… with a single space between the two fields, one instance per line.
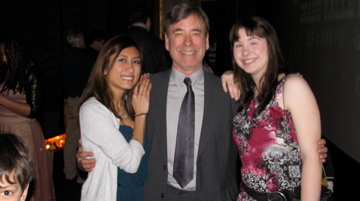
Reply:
x=164 y=167
x=162 y=195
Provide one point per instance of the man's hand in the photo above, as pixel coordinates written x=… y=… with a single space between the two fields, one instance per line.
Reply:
x=85 y=159
x=322 y=150
x=227 y=79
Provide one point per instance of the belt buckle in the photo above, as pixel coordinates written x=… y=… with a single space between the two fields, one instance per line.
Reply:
x=276 y=196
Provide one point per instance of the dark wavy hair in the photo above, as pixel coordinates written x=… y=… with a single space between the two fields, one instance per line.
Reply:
x=15 y=71
x=97 y=85
x=259 y=27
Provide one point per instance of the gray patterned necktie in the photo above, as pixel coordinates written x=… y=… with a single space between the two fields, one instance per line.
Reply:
x=184 y=151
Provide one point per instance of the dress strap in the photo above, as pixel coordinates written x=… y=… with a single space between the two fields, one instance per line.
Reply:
x=280 y=87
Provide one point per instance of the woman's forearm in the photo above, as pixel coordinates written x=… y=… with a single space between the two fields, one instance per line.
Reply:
x=22 y=109
x=139 y=128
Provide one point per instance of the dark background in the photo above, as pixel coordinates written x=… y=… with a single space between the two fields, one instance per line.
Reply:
x=320 y=39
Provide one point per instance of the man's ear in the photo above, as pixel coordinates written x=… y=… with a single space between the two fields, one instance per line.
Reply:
x=207 y=44
x=24 y=193
x=166 y=41
x=148 y=24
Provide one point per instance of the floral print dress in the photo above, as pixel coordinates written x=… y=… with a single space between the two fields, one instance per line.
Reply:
x=268 y=147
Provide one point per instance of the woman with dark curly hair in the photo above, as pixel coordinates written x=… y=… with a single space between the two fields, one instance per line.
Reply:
x=20 y=98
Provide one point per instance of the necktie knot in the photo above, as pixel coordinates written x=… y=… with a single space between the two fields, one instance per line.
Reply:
x=187 y=81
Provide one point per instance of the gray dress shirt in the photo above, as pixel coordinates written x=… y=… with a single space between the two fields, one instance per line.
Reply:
x=176 y=93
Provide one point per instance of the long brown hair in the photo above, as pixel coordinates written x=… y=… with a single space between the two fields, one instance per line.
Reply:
x=97 y=85
x=276 y=65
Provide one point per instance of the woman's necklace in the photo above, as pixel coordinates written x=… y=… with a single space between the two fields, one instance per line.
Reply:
x=122 y=114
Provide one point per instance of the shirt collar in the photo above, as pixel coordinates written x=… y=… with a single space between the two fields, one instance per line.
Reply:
x=196 y=77
x=139 y=25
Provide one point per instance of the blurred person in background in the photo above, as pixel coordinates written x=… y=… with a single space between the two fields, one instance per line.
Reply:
x=20 y=99
x=156 y=58
x=95 y=41
x=76 y=65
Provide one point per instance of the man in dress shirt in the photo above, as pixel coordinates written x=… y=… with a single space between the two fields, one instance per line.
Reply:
x=215 y=177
